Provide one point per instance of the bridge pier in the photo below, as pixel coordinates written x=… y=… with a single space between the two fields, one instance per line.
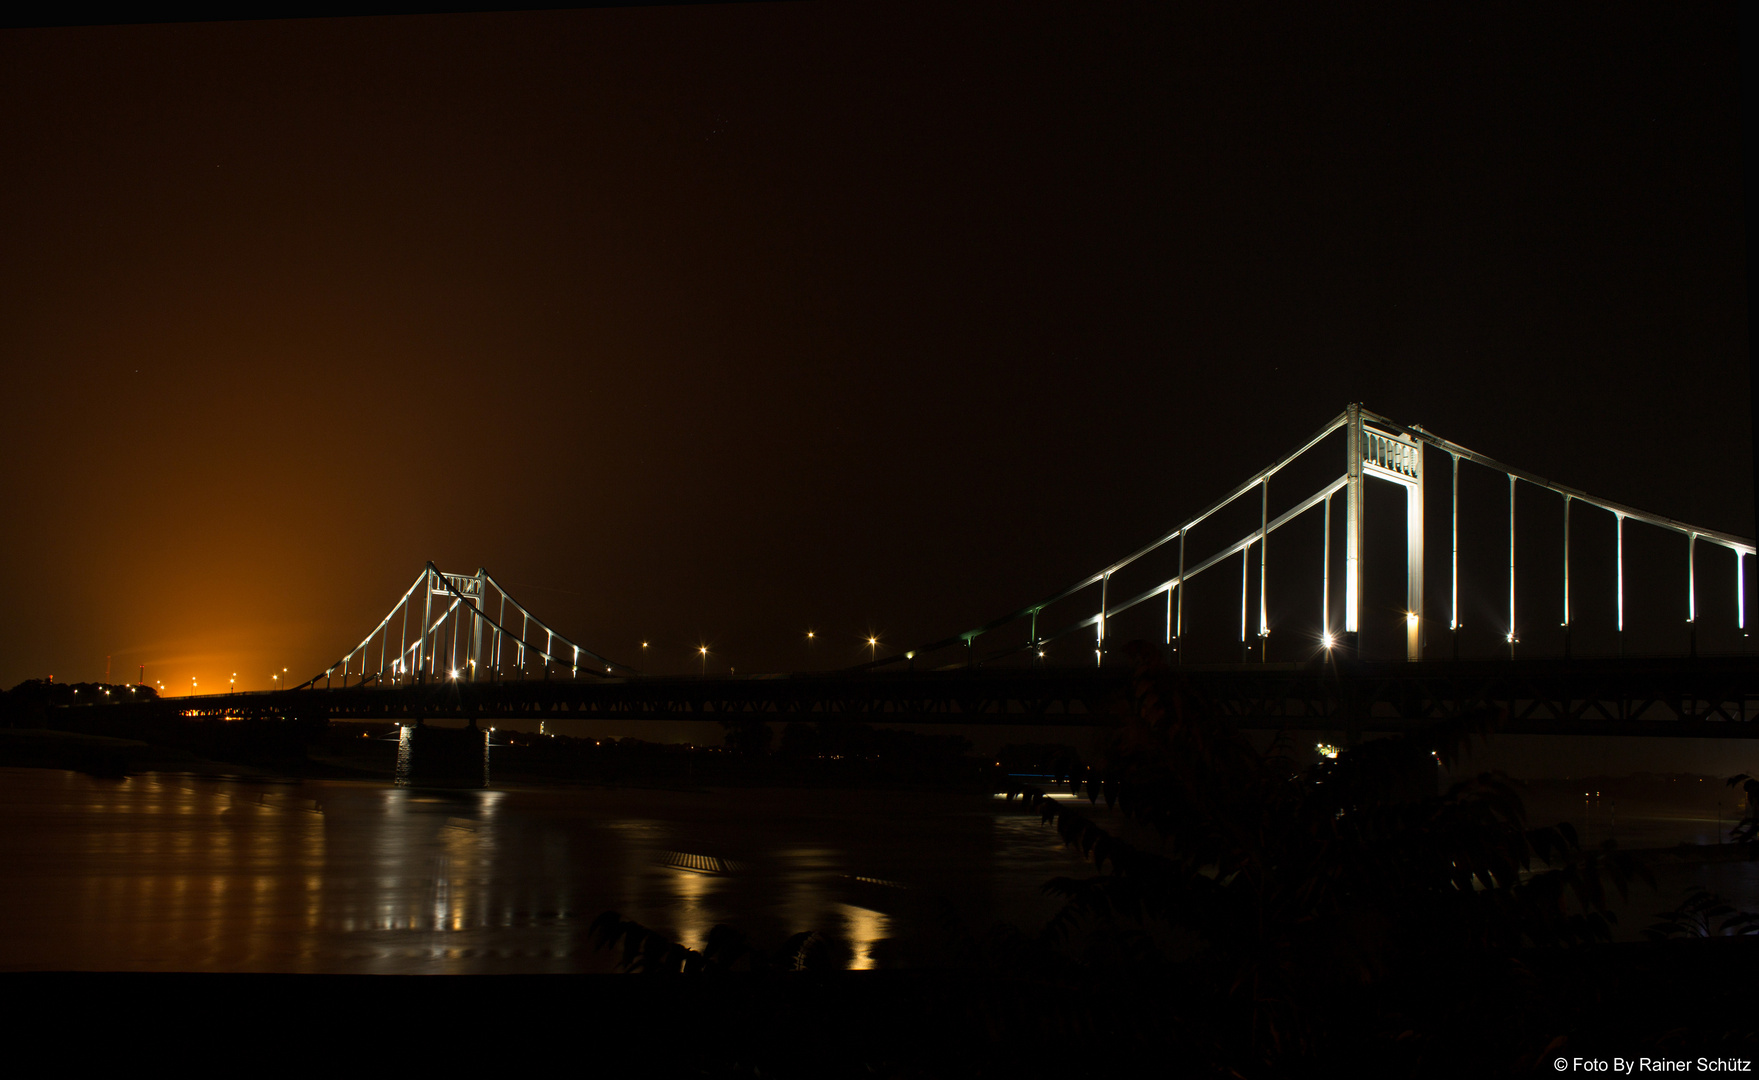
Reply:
x=442 y=757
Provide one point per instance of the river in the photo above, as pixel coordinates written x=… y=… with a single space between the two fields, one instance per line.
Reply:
x=174 y=872
x=169 y=872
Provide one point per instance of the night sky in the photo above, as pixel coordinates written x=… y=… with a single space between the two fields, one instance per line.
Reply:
x=716 y=324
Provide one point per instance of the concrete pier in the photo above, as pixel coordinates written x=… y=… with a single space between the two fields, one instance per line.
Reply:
x=429 y=756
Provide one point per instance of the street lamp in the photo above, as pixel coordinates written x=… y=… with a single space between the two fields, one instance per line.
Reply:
x=703 y=649
x=873 y=648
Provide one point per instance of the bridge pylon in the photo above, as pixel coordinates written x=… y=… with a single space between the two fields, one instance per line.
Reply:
x=448 y=643
x=1374 y=448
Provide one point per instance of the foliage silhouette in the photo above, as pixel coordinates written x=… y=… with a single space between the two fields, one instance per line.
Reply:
x=726 y=949
x=1696 y=915
x=1282 y=888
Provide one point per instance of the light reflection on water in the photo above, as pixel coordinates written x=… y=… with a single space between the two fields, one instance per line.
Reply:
x=160 y=872
x=169 y=873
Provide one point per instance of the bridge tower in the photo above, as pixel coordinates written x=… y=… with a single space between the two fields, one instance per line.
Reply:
x=472 y=588
x=1398 y=458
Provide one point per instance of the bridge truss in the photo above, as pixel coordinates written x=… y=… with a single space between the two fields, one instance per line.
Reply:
x=448 y=644
x=1375 y=448
x=1709 y=698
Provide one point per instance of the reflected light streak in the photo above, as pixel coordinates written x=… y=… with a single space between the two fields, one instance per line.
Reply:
x=863 y=927
x=692 y=891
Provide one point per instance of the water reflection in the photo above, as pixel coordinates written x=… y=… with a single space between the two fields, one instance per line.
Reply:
x=863 y=928
x=163 y=873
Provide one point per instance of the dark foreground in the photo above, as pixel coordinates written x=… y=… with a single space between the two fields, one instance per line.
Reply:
x=1675 y=1000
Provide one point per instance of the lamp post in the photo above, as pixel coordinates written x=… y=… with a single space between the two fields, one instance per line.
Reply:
x=873 y=649
x=703 y=651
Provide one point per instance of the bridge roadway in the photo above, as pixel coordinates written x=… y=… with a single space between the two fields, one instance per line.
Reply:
x=1707 y=697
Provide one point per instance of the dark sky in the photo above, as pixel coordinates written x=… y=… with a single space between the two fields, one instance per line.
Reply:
x=713 y=324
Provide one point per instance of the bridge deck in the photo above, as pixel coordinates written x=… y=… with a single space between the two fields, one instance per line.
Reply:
x=1714 y=697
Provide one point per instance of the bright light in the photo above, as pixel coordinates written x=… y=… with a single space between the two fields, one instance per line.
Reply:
x=703 y=649
x=873 y=641
x=1411 y=617
x=1329 y=640
x=454 y=673
x=1327 y=750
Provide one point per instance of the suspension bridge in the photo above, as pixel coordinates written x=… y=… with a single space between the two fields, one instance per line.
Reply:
x=469 y=649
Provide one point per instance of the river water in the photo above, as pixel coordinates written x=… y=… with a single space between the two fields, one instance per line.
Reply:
x=170 y=872
x=167 y=872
